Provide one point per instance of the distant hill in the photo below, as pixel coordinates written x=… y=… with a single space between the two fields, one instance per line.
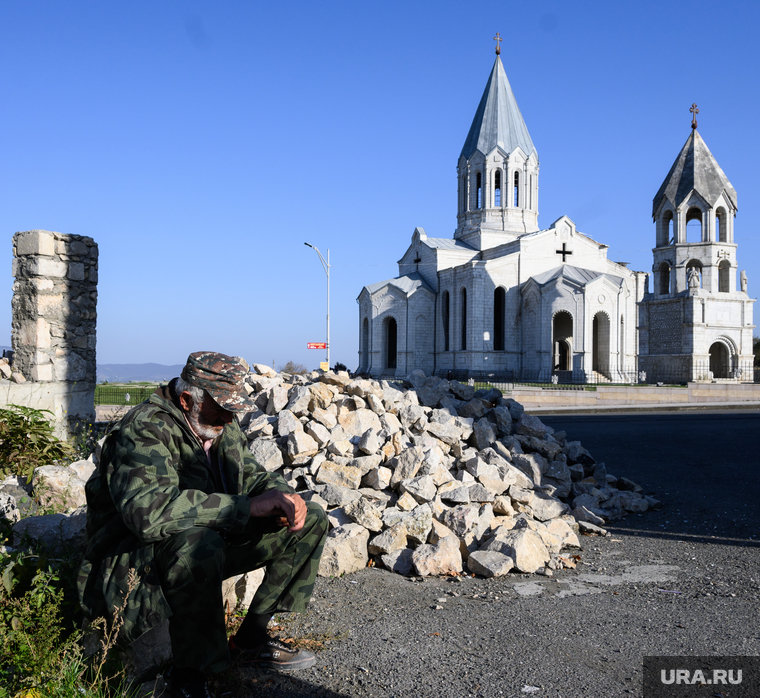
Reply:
x=123 y=373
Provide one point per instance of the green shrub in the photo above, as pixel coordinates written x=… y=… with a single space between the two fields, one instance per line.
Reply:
x=27 y=441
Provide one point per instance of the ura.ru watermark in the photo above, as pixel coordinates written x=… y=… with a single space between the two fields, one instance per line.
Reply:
x=684 y=677
x=714 y=676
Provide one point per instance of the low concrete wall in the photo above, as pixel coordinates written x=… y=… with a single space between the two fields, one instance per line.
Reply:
x=65 y=402
x=611 y=395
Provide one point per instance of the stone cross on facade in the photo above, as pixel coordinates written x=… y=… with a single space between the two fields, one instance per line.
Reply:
x=694 y=112
x=498 y=40
x=564 y=252
x=723 y=254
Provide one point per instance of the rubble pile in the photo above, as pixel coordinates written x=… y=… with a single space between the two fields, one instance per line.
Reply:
x=430 y=476
x=423 y=476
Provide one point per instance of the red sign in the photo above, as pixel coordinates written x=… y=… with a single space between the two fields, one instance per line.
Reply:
x=316 y=345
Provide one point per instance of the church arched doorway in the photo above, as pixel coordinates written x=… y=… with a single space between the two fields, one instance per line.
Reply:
x=391 y=341
x=720 y=360
x=601 y=345
x=365 y=344
x=562 y=333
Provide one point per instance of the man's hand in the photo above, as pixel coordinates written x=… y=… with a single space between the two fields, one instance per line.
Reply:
x=289 y=508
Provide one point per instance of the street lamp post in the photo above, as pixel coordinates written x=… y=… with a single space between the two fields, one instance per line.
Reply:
x=326 y=267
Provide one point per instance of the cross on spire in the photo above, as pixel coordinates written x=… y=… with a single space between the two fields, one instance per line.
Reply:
x=564 y=252
x=498 y=40
x=694 y=111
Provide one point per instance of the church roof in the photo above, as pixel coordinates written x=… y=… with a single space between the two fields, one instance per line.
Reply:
x=498 y=121
x=695 y=169
x=448 y=244
x=408 y=284
x=576 y=274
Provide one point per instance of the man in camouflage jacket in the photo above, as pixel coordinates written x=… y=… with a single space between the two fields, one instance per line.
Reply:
x=179 y=501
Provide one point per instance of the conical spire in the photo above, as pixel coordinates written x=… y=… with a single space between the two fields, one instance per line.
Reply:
x=498 y=120
x=695 y=169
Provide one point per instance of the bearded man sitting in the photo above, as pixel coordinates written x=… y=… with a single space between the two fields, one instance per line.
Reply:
x=179 y=500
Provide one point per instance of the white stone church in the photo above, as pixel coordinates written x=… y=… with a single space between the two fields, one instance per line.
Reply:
x=505 y=297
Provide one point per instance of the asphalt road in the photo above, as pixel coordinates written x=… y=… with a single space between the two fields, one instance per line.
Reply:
x=684 y=580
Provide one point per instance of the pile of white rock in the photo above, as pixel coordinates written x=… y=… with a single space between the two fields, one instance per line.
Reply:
x=426 y=475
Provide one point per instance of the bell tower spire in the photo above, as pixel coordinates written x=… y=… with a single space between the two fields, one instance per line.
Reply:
x=497 y=172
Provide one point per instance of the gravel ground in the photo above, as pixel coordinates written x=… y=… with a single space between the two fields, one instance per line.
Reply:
x=684 y=580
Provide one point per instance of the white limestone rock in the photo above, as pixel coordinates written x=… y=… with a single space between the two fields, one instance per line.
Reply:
x=488 y=563
x=340 y=379
x=299 y=399
x=528 y=425
x=345 y=551
x=318 y=432
x=278 y=398
x=454 y=492
x=406 y=465
x=287 y=423
x=443 y=557
x=390 y=540
x=267 y=454
x=421 y=488
x=53 y=531
x=369 y=442
x=59 y=487
x=399 y=561
x=357 y=422
x=300 y=447
x=325 y=417
x=524 y=546
x=461 y=519
x=84 y=469
x=337 y=496
x=264 y=370
x=483 y=434
x=544 y=507
x=363 y=512
x=8 y=508
x=331 y=473
x=378 y=478
x=406 y=502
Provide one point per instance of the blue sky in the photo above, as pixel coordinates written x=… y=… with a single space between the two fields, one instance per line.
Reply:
x=201 y=144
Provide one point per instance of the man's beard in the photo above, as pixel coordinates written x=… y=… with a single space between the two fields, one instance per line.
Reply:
x=204 y=430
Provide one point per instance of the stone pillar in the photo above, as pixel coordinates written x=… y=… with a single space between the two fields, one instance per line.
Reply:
x=54 y=315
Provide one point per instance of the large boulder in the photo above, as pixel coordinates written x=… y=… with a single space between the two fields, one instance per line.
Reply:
x=444 y=557
x=345 y=551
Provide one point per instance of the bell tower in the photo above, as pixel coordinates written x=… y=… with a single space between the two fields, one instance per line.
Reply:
x=697 y=322
x=497 y=171
x=694 y=213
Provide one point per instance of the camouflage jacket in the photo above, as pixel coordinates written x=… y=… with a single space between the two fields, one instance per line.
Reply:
x=154 y=480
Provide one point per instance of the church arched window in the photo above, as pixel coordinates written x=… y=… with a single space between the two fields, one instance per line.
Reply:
x=666 y=229
x=445 y=319
x=517 y=190
x=478 y=191
x=694 y=225
x=464 y=318
x=724 y=271
x=365 y=344
x=497 y=188
x=721 y=232
x=664 y=274
x=499 y=303
x=391 y=341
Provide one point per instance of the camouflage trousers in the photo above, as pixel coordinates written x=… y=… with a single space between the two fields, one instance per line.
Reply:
x=192 y=565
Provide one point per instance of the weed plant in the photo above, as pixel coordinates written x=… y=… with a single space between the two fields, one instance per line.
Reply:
x=27 y=441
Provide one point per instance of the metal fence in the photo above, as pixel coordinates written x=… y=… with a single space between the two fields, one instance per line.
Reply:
x=122 y=395
x=579 y=380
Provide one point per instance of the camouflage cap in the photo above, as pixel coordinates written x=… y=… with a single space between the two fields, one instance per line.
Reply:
x=221 y=376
